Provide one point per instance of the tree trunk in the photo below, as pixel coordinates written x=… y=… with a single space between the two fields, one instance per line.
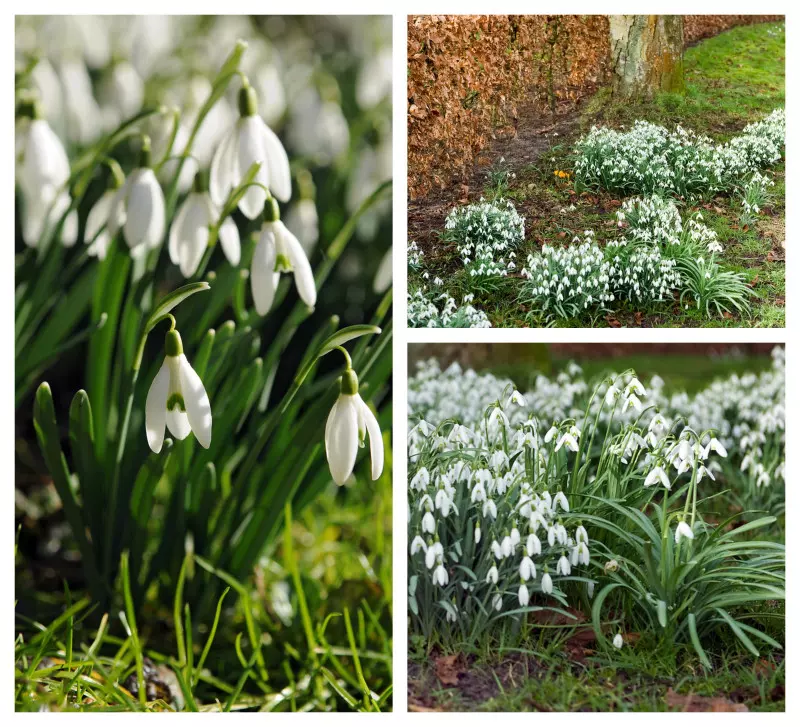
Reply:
x=646 y=54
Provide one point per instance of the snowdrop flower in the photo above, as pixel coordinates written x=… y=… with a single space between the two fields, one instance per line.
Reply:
x=516 y=398
x=632 y=402
x=348 y=424
x=489 y=508
x=581 y=536
x=497 y=602
x=581 y=553
x=451 y=616
x=42 y=161
x=177 y=399
x=250 y=141
x=140 y=203
x=547 y=583
x=188 y=237
x=527 y=569
x=477 y=533
x=657 y=475
x=561 y=500
x=418 y=544
x=497 y=551
x=568 y=440
x=563 y=567
x=683 y=531
x=492 y=575
x=428 y=523
x=515 y=536
x=534 y=545
x=435 y=552
x=550 y=434
x=716 y=446
x=612 y=394
x=279 y=251
x=618 y=642
x=440 y=577
x=420 y=480
x=96 y=233
x=523 y=595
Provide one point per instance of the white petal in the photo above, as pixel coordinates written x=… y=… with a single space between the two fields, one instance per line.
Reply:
x=69 y=232
x=45 y=160
x=198 y=407
x=303 y=275
x=155 y=408
x=178 y=424
x=119 y=203
x=98 y=215
x=375 y=439
x=99 y=247
x=250 y=150
x=145 y=210
x=176 y=232
x=193 y=236
x=221 y=180
x=229 y=239
x=263 y=278
x=280 y=176
x=341 y=438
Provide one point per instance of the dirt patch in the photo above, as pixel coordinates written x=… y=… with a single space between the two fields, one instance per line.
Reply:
x=532 y=135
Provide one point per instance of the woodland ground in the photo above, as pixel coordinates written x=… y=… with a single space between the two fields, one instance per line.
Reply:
x=559 y=666
x=732 y=79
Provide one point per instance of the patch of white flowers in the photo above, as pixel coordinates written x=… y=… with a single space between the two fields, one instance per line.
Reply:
x=414 y=255
x=650 y=159
x=491 y=525
x=423 y=311
x=754 y=196
x=486 y=235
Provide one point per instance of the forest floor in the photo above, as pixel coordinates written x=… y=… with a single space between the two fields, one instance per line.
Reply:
x=732 y=79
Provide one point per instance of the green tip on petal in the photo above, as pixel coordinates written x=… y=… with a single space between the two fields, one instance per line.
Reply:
x=173 y=344
x=200 y=183
x=176 y=401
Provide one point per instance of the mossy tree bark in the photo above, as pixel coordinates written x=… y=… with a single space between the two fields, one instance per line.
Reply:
x=646 y=54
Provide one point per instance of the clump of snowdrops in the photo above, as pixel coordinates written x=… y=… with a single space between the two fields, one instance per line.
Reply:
x=423 y=311
x=486 y=235
x=495 y=490
x=659 y=254
x=162 y=172
x=650 y=159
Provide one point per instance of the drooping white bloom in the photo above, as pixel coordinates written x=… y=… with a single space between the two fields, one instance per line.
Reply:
x=534 y=545
x=563 y=567
x=188 y=236
x=440 y=577
x=657 y=475
x=250 y=141
x=568 y=440
x=497 y=602
x=611 y=395
x=523 y=595
x=41 y=158
x=348 y=424
x=561 y=500
x=618 y=642
x=477 y=533
x=527 y=569
x=550 y=434
x=490 y=509
x=418 y=544
x=140 y=203
x=497 y=551
x=716 y=446
x=278 y=251
x=547 y=583
x=492 y=575
x=96 y=234
x=683 y=531
x=428 y=523
x=581 y=536
x=177 y=399
x=632 y=402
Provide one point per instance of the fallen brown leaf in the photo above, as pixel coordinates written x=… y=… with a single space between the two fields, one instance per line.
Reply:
x=696 y=703
x=613 y=322
x=447 y=668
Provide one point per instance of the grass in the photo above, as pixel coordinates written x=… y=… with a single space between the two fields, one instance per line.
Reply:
x=732 y=79
x=283 y=642
x=562 y=668
x=634 y=679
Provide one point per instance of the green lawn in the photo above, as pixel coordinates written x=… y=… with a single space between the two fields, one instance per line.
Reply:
x=732 y=79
